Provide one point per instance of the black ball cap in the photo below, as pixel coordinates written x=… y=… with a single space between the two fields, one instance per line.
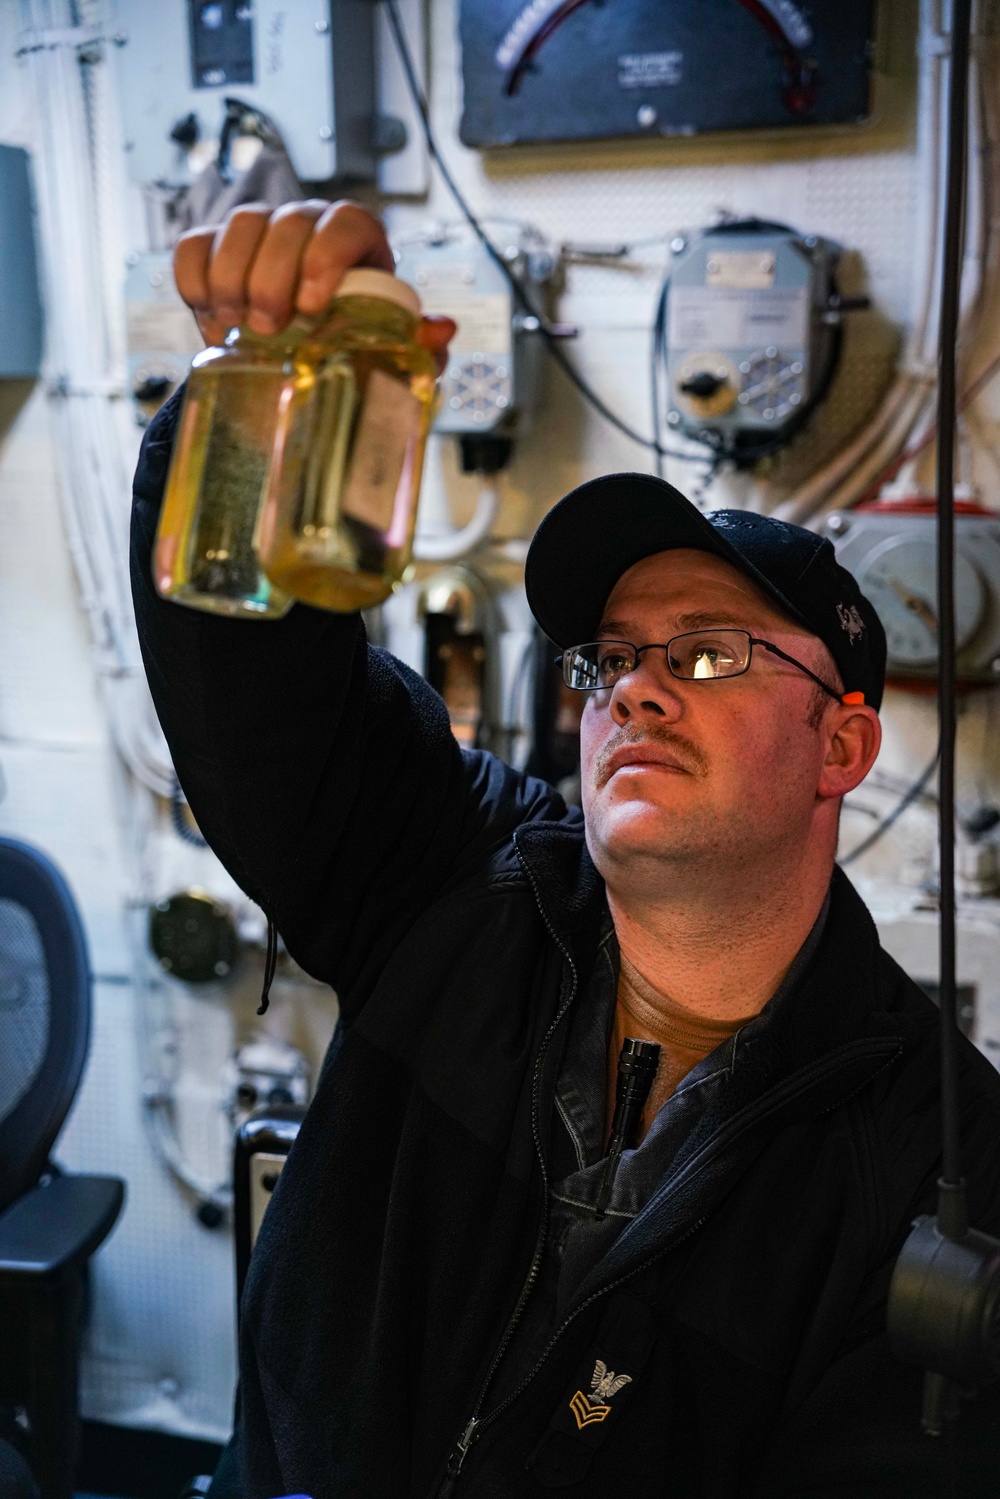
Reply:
x=601 y=529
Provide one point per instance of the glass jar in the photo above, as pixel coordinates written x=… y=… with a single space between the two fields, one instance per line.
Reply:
x=336 y=527
x=204 y=554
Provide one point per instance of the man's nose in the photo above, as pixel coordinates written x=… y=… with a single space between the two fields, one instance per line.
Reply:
x=648 y=691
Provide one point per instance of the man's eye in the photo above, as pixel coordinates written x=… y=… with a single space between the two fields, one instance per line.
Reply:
x=614 y=663
x=706 y=661
x=705 y=658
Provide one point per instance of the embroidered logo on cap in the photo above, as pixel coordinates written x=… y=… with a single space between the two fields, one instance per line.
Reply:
x=850 y=621
x=605 y=1384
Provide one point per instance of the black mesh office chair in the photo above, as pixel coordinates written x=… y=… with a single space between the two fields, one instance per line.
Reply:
x=50 y=1223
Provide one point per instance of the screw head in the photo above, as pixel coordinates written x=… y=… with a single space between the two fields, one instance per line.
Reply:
x=678 y=244
x=645 y=116
x=837 y=525
x=326 y=132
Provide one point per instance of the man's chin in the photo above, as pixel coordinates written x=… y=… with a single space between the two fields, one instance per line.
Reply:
x=633 y=826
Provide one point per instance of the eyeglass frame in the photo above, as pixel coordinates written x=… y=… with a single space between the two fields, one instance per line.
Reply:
x=848 y=698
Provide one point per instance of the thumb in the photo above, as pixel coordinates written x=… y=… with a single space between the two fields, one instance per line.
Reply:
x=434 y=334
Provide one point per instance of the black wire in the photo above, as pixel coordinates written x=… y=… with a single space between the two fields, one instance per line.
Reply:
x=658 y=358
x=951 y=273
x=520 y=294
x=906 y=800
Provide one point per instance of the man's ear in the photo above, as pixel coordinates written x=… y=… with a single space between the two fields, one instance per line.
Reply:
x=854 y=736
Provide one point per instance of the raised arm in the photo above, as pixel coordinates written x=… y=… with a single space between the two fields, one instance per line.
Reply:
x=322 y=772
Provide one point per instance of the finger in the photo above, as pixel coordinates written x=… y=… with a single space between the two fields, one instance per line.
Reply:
x=191 y=256
x=274 y=274
x=233 y=252
x=213 y=330
x=434 y=334
x=347 y=235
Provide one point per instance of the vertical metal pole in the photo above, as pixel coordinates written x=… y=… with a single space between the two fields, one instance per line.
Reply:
x=951 y=1211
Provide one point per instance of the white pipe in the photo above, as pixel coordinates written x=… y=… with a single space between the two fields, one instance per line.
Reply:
x=450 y=546
x=80 y=188
x=843 y=481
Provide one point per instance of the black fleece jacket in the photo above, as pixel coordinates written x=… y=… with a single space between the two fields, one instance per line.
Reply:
x=453 y=906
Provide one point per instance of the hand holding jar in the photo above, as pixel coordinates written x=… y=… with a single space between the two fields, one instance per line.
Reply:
x=297 y=462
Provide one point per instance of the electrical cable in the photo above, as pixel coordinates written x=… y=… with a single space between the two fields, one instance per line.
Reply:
x=947 y=715
x=945 y=1288
x=658 y=357
x=178 y=821
x=906 y=800
x=520 y=294
x=891 y=469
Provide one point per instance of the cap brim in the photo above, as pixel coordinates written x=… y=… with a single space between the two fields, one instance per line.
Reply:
x=601 y=529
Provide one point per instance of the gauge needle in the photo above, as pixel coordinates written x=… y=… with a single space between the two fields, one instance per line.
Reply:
x=917 y=605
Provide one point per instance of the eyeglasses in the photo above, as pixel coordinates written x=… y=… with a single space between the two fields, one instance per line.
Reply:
x=699 y=656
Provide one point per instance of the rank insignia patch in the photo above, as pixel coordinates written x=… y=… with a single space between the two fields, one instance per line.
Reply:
x=605 y=1384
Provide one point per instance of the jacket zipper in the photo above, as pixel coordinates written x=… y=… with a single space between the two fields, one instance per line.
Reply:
x=472 y=1427
x=476 y=1425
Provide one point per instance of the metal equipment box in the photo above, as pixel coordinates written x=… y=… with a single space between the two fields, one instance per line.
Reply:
x=309 y=67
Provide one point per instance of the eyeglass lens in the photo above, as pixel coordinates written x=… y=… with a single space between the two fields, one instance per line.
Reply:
x=700 y=655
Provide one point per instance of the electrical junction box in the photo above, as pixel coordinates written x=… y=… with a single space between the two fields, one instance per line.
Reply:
x=750 y=337
x=308 y=66
x=550 y=70
x=891 y=548
x=490 y=384
x=20 y=301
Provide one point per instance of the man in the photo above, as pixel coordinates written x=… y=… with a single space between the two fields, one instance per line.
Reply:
x=449 y=1295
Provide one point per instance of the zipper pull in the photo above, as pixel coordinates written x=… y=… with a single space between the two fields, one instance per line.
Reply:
x=457 y=1458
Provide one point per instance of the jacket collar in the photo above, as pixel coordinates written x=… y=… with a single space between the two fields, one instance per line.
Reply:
x=837 y=1001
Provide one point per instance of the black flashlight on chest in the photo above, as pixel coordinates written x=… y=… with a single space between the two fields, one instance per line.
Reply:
x=637 y=1064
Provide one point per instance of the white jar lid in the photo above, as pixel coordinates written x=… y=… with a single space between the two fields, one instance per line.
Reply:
x=366 y=282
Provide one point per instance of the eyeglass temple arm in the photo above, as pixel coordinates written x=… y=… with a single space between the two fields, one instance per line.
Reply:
x=838 y=697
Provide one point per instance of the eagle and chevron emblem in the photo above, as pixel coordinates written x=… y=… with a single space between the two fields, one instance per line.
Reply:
x=604 y=1384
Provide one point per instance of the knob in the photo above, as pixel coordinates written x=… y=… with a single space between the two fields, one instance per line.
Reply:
x=704 y=385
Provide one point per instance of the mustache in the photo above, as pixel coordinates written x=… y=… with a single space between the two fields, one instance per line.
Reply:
x=688 y=755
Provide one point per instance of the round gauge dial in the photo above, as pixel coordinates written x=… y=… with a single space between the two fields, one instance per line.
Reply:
x=193 y=937
x=900 y=578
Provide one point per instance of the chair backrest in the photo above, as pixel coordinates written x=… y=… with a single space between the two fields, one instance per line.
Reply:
x=260 y=1150
x=44 y=1012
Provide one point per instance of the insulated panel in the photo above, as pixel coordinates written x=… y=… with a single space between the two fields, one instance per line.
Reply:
x=20 y=302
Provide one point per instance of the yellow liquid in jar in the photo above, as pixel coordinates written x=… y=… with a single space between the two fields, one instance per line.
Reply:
x=337 y=527
x=205 y=553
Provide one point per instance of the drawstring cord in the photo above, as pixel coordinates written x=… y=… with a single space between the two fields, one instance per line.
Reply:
x=270 y=963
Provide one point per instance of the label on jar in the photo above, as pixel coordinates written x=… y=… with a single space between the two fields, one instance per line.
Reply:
x=389 y=421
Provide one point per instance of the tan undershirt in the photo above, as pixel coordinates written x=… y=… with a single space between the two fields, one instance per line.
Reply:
x=684 y=1037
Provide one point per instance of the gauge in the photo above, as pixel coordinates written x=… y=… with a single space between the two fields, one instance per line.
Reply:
x=193 y=937
x=900 y=579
